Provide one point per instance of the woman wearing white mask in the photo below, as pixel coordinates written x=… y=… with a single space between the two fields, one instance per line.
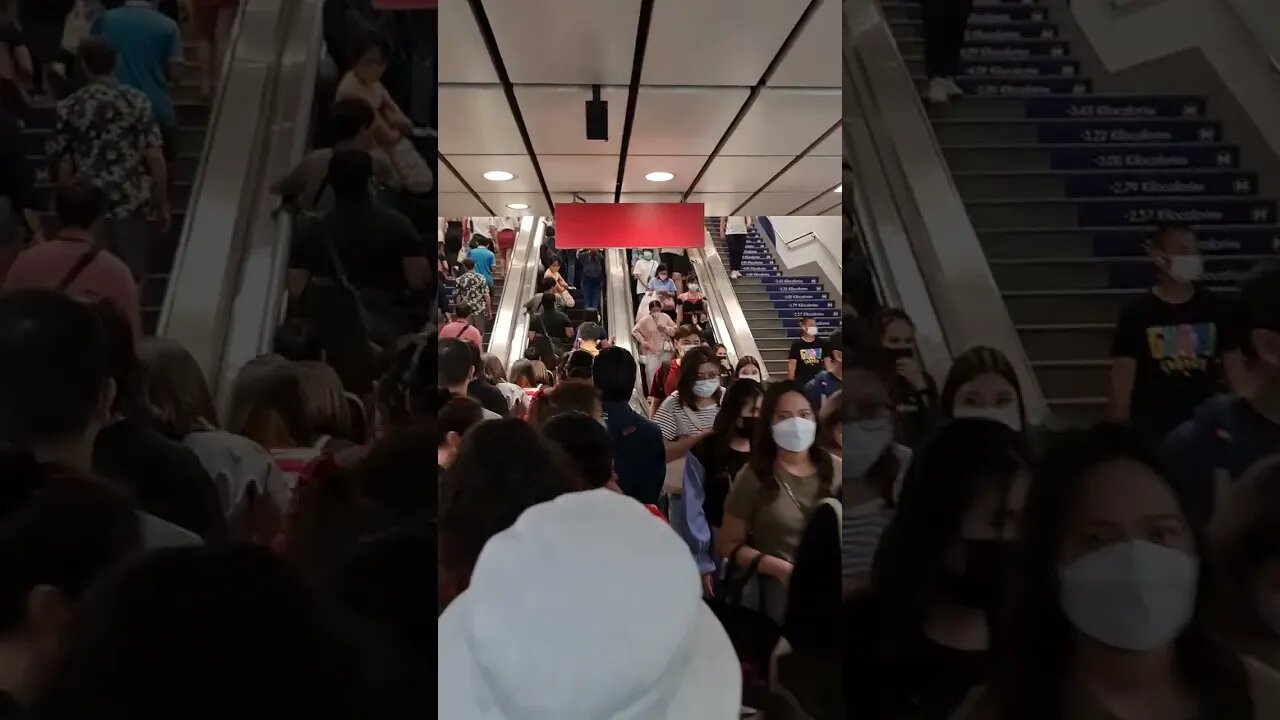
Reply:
x=982 y=384
x=643 y=270
x=687 y=416
x=771 y=498
x=1245 y=539
x=1110 y=621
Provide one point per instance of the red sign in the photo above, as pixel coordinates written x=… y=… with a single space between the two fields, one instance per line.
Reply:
x=629 y=225
x=404 y=4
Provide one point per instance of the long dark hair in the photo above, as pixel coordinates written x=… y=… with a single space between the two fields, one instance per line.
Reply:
x=973 y=363
x=1035 y=646
x=764 y=450
x=945 y=478
x=735 y=400
x=689 y=365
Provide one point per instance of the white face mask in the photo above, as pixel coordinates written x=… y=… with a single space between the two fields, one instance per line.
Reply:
x=693 y=287
x=810 y=330
x=863 y=443
x=706 y=388
x=1186 y=268
x=1131 y=595
x=795 y=434
x=1007 y=415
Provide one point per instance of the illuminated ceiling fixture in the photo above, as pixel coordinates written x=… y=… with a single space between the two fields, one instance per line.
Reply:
x=517 y=206
x=659 y=176
x=839 y=188
x=499 y=175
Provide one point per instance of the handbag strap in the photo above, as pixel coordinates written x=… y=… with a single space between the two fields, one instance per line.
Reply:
x=326 y=236
x=790 y=494
x=79 y=267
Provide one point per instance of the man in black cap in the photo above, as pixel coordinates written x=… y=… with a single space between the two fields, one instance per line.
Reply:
x=1231 y=432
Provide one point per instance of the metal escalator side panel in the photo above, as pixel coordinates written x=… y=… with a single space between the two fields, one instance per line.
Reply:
x=905 y=160
x=510 y=324
x=622 y=316
x=728 y=320
x=206 y=268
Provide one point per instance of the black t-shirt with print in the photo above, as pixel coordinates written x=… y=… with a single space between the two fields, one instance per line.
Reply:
x=808 y=357
x=1178 y=349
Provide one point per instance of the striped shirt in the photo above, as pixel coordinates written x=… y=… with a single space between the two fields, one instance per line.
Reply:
x=673 y=418
x=860 y=531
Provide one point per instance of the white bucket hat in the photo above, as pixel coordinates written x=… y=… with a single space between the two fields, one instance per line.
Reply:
x=588 y=608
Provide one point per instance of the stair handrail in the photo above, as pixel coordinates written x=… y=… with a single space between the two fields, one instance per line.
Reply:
x=207 y=267
x=931 y=217
x=724 y=309
x=815 y=237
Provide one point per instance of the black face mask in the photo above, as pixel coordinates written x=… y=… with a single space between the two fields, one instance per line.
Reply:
x=986 y=567
x=896 y=354
x=748 y=428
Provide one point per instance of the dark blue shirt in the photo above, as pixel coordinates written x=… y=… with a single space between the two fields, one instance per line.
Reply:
x=1224 y=438
x=822 y=385
x=639 y=456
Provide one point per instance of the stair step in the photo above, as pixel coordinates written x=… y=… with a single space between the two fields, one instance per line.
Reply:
x=982 y=14
x=975 y=184
x=1100 y=106
x=1034 y=156
x=1067 y=340
x=912 y=49
x=1016 y=86
x=1087 y=273
x=986 y=32
x=1073 y=131
x=1122 y=241
x=1095 y=212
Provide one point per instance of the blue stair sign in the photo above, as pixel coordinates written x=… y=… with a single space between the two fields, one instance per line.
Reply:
x=1014 y=50
x=1212 y=241
x=1110 y=107
x=1024 y=87
x=1143 y=157
x=1157 y=184
x=1182 y=211
x=1128 y=132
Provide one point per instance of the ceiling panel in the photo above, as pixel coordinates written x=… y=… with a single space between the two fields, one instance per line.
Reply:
x=777 y=203
x=719 y=204
x=473 y=167
x=831 y=145
x=716 y=42
x=499 y=201
x=809 y=173
x=580 y=173
x=557 y=119
x=446 y=181
x=684 y=167
x=784 y=122
x=731 y=173
x=566 y=42
x=808 y=62
x=477 y=120
x=460 y=205
x=462 y=55
x=683 y=121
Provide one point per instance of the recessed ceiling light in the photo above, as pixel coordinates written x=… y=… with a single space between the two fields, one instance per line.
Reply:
x=499 y=175
x=659 y=176
x=839 y=188
x=517 y=206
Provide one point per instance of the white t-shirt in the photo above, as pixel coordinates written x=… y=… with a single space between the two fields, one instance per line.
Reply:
x=735 y=226
x=645 y=269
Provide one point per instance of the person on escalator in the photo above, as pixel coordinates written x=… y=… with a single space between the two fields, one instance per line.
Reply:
x=550 y=322
x=592 y=262
x=391 y=127
x=914 y=390
x=666 y=379
x=72 y=263
x=148 y=56
x=358 y=245
x=663 y=289
x=457 y=361
x=481 y=253
x=691 y=305
x=652 y=333
x=106 y=135
x=643 y=269
x=459 y=326
x=828 y=382
x=306 y=189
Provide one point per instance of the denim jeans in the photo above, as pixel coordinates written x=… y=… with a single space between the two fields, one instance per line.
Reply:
x=591 y=287
x=568 y=264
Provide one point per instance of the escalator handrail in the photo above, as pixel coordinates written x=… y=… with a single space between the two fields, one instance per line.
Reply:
x=945 y=246
x=508 y=335
x=728 y=321
x=621 y=317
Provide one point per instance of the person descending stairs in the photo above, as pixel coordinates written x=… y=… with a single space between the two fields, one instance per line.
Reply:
x=1064 y=186
x=774 y=300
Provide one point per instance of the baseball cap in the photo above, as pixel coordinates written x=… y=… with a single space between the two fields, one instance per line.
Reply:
x=587 y=608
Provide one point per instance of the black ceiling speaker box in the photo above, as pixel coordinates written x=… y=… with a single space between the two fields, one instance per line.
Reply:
x=597 y=116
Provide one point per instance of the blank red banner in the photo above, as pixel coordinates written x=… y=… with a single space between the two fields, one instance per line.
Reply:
x=629 y=225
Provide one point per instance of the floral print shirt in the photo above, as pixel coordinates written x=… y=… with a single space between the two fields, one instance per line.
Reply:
x=107 y=129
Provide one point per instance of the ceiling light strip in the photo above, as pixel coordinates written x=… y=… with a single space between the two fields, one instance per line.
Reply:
x=790 y=165
x=814 y=199
x=445 y=161
x=633 y=91
x=755 y=93
x=499 y=67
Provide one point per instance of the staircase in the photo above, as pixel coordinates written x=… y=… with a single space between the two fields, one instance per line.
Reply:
x=1063 y=185
x=193 y=123
x=774 y=300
